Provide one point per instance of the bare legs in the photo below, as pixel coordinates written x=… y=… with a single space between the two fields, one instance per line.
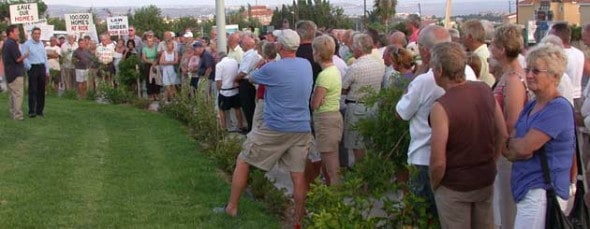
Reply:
x=240 y=181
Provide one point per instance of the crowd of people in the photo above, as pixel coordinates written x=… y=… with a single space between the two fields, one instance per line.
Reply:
x=482 y=105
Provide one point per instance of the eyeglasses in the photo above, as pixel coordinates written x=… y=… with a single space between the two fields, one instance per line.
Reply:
x=535 y=71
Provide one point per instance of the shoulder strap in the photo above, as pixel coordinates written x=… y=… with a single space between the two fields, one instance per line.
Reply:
x=545 y=166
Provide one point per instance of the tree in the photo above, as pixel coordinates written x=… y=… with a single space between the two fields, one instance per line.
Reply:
x=58 y=23
x=183 y=23
x=324 y=14
x=380 y=17
x=148 y=18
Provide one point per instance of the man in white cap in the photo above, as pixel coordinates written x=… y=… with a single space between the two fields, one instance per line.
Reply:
x=284 y=135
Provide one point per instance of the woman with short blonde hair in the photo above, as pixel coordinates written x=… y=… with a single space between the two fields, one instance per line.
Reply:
x=545 y=128
x=325 y=103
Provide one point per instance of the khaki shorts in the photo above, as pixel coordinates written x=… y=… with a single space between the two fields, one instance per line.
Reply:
x=81 y=75
x=328 y=130
x=352 y=138
x=263 y=148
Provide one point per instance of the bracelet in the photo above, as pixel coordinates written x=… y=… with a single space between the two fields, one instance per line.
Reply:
x=508 y=143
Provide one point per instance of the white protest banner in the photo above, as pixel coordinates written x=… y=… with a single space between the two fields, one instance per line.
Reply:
x=118 y=26
x=46 y=32
x=78 y=23
x=28 y=27
x=23 y=13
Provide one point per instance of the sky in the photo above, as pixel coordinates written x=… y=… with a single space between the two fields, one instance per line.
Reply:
x=160 y=3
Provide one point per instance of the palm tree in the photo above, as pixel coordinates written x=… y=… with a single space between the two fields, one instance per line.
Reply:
x=385 y=10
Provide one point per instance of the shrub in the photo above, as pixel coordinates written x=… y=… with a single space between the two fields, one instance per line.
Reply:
x=114 y=95
x=375 y=184
x=70 y=94
x=128 y=72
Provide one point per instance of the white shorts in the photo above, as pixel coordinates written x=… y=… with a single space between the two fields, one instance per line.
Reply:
x=81 y=75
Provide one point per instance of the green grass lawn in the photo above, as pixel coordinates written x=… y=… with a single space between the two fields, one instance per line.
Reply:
x=89 y=165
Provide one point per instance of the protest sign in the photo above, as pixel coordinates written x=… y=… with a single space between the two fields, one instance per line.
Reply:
x=23 y=13
x=118 y=26
x=78 y=23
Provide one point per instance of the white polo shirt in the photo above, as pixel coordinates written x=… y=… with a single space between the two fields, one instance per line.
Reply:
x=226 y=71
x=249 y=62
x=415 y=106
x=575 y=69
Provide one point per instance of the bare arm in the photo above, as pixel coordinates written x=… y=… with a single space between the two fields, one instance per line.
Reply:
x=515 y=95
x=523 y=148
x=319 y=93
x=440 y=133
x=502 y=133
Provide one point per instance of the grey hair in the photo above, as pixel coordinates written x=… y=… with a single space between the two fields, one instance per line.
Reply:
x=454 y=33
x=552 y=55
x=552 y=39
x=432 y=35
x=306 y=29
x=363 y=42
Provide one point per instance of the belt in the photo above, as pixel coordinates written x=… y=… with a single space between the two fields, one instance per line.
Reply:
x=346 y=101
x=229 y=89
x=37 y=65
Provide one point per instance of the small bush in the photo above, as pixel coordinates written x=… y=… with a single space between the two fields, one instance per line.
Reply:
x=114 y=95
x=375 y=184
x=128 y=72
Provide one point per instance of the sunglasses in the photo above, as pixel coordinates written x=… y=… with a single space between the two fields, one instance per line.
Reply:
x=535 y=71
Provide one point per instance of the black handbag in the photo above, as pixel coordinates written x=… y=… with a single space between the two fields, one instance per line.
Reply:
x=554 y=217
x=579 y=216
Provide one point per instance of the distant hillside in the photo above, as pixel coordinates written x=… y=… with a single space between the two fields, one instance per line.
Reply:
x=437 y=9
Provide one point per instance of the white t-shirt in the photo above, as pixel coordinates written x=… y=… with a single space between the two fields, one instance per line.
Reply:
x=575 y=69
x=249 y=62
x=566 y=88
x=53 y=63
x=415 y=106
x=226 y=71
x=343 y=68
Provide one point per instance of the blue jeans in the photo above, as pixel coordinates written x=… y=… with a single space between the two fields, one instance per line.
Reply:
x=420 y=186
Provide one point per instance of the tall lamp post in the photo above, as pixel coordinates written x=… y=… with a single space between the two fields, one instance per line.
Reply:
x=448 y=15
x=220 y=23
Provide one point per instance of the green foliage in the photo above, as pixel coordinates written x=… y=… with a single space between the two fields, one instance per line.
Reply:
x=128 y=71
x=183 y=23
x=148 y=18
x=381 y=177
x=114 y=95
x=382 y=14
x=58 y=23
x=322 y=12
x=70 y=94
x=576 y=32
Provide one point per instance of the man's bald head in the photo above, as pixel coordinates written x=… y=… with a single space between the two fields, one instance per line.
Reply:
x=398 y=39
x=248 y=43
x=430 y=36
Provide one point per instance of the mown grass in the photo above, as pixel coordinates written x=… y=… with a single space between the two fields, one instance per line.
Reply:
x=90 y=165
